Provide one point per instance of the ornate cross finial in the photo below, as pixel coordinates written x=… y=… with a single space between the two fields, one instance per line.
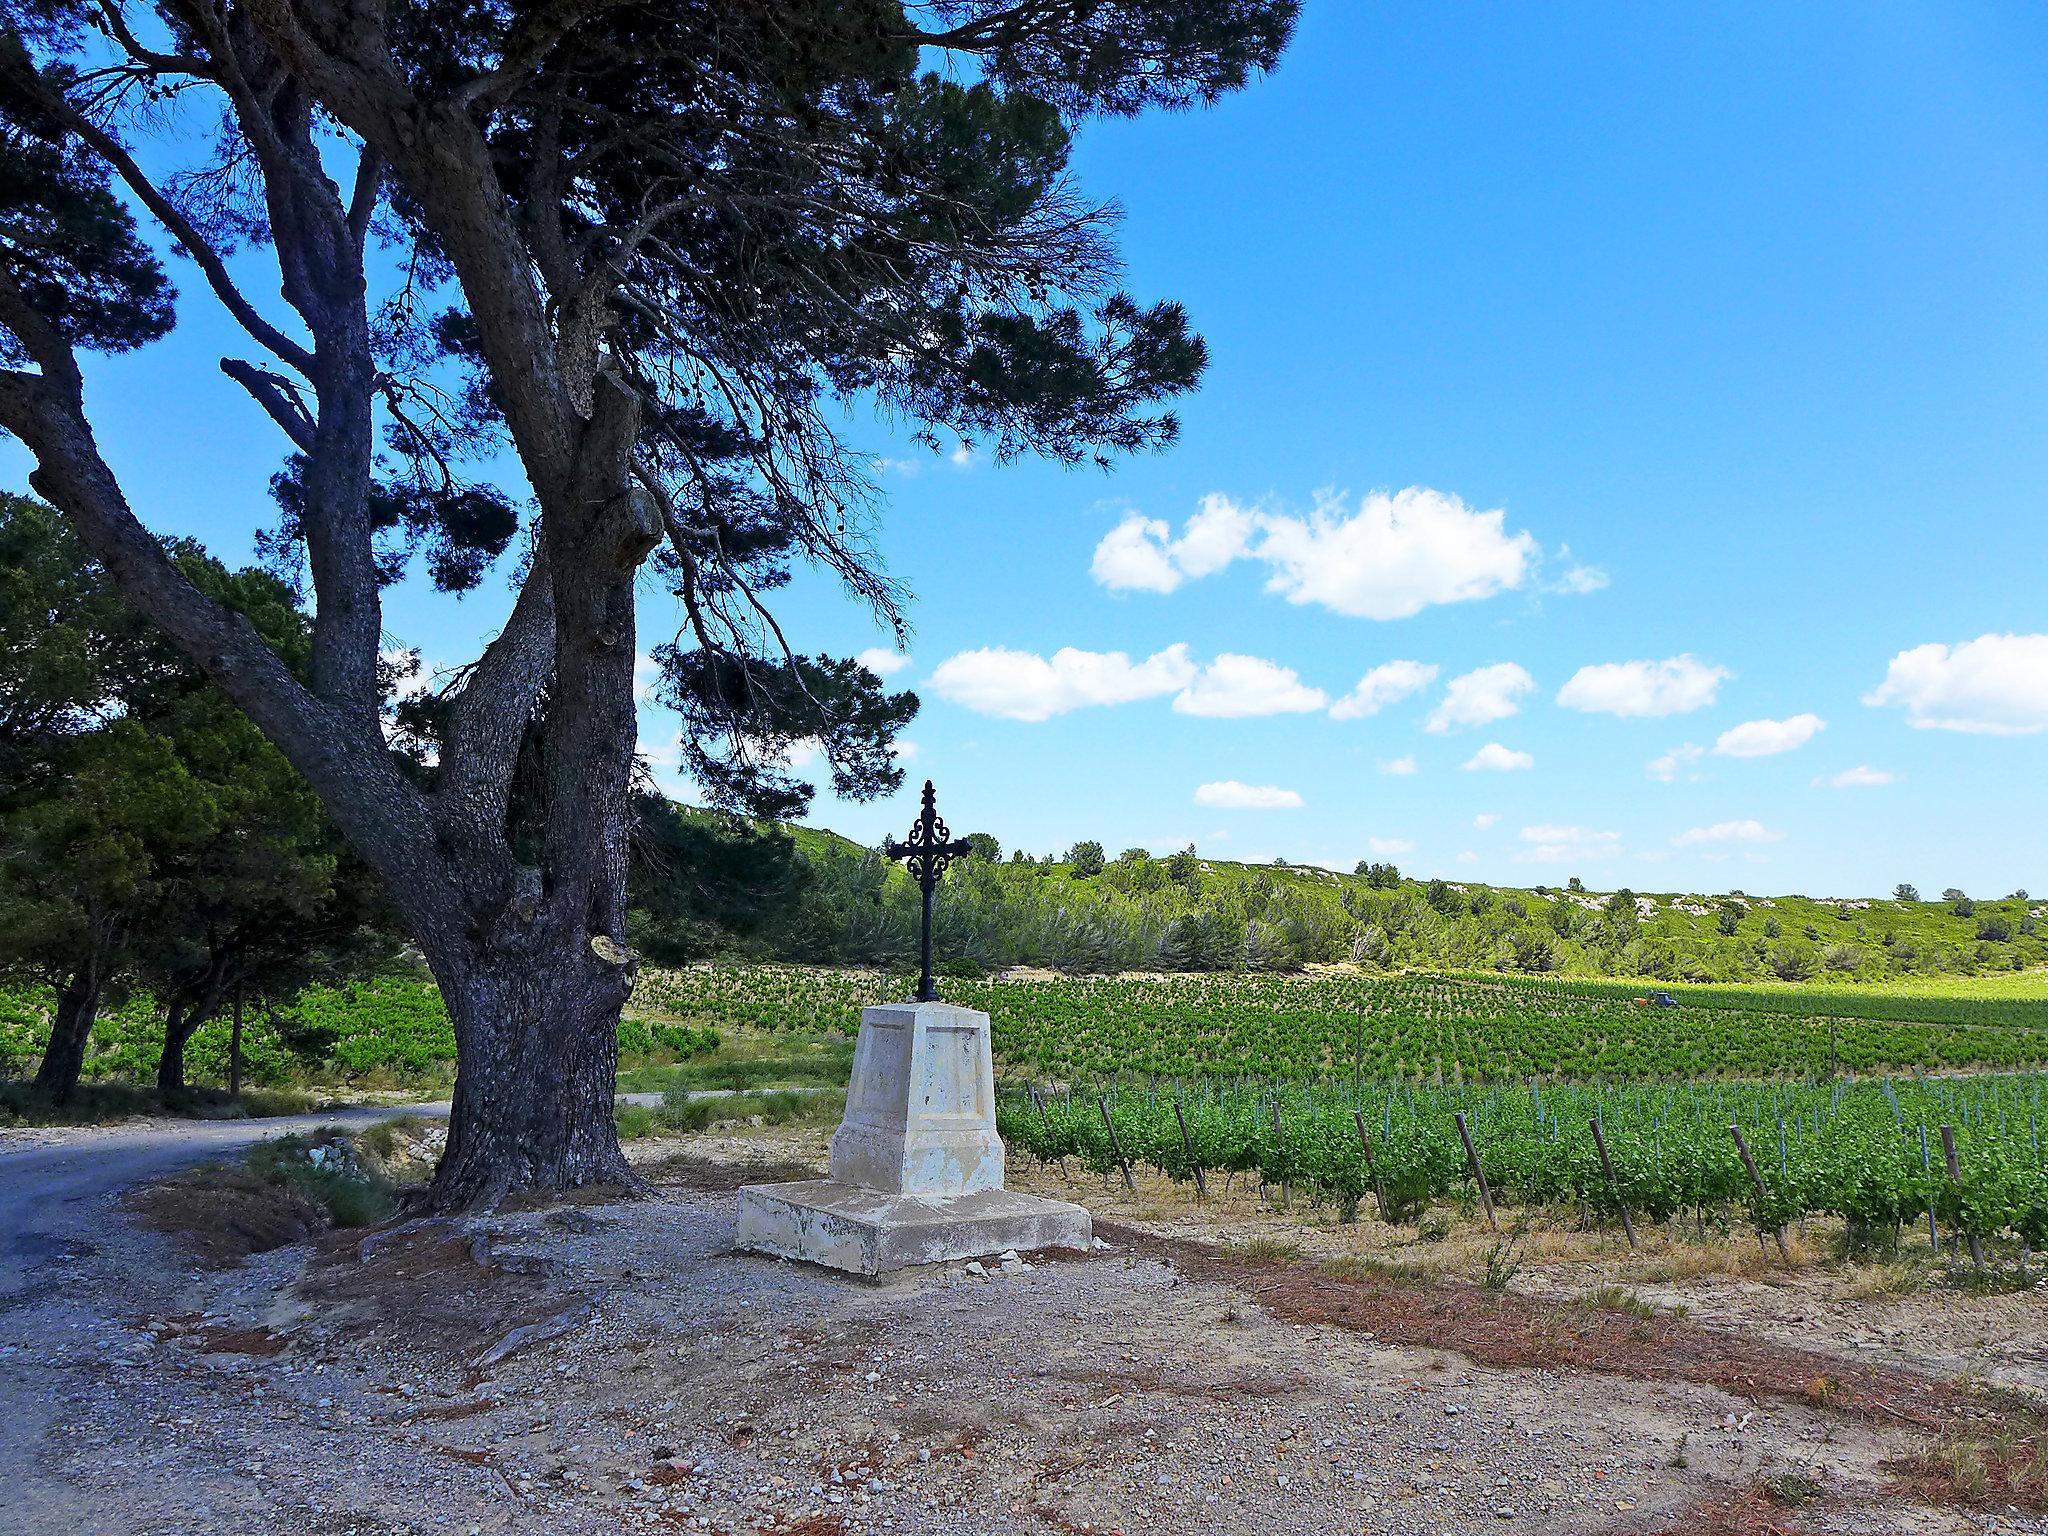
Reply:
x=926 y=853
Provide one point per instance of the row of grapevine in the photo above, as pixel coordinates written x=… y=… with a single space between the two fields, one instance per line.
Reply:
x=1450 y=1028
x=1868 y=1151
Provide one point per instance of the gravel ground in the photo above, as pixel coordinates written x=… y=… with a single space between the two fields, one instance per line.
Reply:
x=616 y=1367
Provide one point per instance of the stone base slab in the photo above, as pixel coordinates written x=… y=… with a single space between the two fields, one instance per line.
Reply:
x=869 y=1232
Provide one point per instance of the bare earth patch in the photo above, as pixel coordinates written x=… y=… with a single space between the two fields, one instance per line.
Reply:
x=597 y=1367
x=221 y=1216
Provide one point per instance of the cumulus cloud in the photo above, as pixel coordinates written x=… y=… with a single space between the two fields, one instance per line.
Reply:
x=1140 y=554
x=882 y=661
x=1388 y=557
x=1863 y=776
x=1481 y=696
x=1398 y=767
x=1241 y=687
x=1230 y=795
x=1022 y=685
x=1668 y=767
x=1134 y=556
x=1388 y=847
x=904 y=751
x=1726 y=832
x=1766 y=738
x=1485 y=819
x=1383 y=685
x=1550 y=843
x=1495 y=758
x=1675 y=686
x=1995 y=685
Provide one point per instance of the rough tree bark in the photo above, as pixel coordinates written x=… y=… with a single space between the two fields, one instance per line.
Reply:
x=78 y=1006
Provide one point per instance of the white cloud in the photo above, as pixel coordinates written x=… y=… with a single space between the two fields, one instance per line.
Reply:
x=803 y=753
x=1021 y=685
x=1383 y=685
x=1215 y=536
x=1398 y=767
x=1230 y=795
x=1550 y=843
x=1675 y=686
x=1481 y=696
x=962 y=457
x=1387 y=847
x=1395 y=555
x=904 y=751
x=1766 y=738
x=1667 y=767
x=1579 y=580
x=1495 y=758
x=1863 y=776
x=1133 y=557
x=1995 y=685
x=1388 y=558
x=657 y=754
x=907 y=468
x=1241 y=687
x=882 y=661
x=1726 y=832
x=1468 y=857
x=1485 y=819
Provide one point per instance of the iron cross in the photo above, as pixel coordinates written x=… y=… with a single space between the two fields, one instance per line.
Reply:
x=926 y=853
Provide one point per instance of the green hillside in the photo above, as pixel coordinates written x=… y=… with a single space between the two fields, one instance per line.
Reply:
x=1138 y=913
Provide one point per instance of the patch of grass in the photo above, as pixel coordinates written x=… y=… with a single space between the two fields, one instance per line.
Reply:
x=1362 y=1268
x=680 y=1112
x=2000 y=1456
x=1501 y=1265
x=1613 y=1298
x=1263 y=1250
x=327 y=1172
x=99 y=1103
x=743 y=1062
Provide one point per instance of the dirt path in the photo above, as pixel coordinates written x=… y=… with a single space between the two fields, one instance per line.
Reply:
x=56 y=1187
x=618 y=1368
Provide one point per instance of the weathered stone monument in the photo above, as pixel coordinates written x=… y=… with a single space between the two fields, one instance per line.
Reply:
x=917 y=1166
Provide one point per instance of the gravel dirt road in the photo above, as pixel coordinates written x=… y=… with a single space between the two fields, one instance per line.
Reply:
x=615 y=1367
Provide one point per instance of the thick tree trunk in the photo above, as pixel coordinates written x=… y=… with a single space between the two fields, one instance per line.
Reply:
x=538 y=1063
x=78 y=1005
x=180 y=1024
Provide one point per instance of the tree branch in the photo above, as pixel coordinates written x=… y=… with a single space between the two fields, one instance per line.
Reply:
x=481 y=746
x=166 y=213
x=354 y=774
x=279 y=398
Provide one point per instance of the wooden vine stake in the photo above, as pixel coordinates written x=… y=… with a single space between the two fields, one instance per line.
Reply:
x=1955 y=1176
x=1379 y=1192
x=1038 y=1103
x=1763 y=1190
x=1102 y=1103
x=1613 y=1185
x=1187 y=1146
x=1478 y=1173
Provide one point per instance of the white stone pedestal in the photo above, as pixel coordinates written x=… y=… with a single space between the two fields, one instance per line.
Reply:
x=917 y=1167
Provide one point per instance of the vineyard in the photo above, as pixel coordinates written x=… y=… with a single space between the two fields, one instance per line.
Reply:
x=1450 y=1028
x=1869 y=1152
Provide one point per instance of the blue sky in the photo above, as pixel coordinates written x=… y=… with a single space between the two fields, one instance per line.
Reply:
x=1703 y=348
